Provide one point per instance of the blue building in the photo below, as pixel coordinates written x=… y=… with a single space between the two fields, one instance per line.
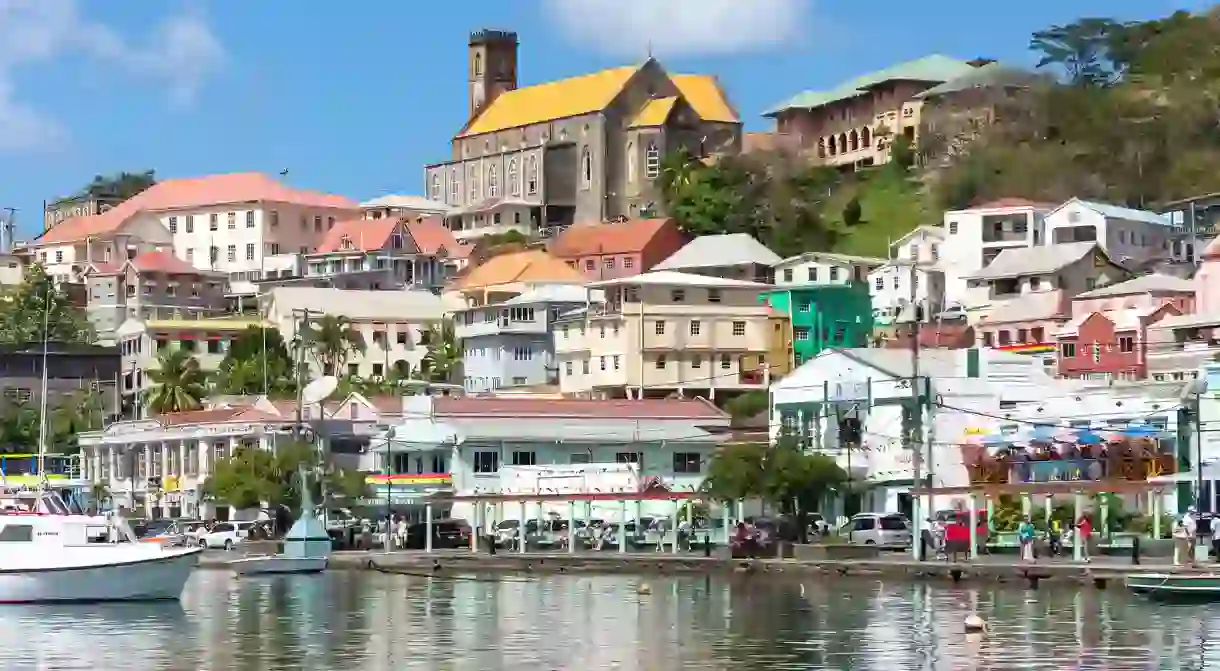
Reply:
x=509 y=343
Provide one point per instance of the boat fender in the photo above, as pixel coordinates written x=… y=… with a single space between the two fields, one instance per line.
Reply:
x=974 y=623
x=643 y=588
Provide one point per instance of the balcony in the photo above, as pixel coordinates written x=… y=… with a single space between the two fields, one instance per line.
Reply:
x=750 y=377
x=995 y=471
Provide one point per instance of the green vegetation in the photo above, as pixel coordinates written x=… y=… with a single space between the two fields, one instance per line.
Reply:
x=37 y=303
x=796 y=481
x=19 y=423
x=1130 y=118
x=253 y=476
x=123 y=185
x=245 y=369
x=179 y=384
x=443 y=362
x=332 y=339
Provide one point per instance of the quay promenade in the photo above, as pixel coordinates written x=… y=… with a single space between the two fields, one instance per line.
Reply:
x=988 y=569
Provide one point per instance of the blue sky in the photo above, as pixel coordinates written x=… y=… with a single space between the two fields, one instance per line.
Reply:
x=355 y=97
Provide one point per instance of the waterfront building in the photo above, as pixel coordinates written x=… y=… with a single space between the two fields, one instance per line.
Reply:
x=396 y=326
x=587 y=148
x=141 y=341
x=225 y=223
x=731 y=255
x=508 y=343
x=618 y=249
x=664 y=332
x=508 y=445
x=824 y=316
x=853 y=124
x=152 y=285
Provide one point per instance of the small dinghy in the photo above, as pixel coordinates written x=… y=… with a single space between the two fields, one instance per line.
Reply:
x=1192 y=586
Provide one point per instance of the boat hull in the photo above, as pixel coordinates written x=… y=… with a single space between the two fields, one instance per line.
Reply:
x=155 y=577
x=277 y=565
x=1204 y=586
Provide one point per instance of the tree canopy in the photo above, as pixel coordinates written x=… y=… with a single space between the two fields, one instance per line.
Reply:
x=24 y=312
x=179 y=384
x=782 y=474
x=245 y=370
x=253 y=475
x=123 y=185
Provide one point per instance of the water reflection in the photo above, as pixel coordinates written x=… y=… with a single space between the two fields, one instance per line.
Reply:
x=371 y=621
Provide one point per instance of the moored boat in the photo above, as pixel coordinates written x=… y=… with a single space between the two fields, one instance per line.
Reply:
x=1199 y=586
x=272 y=564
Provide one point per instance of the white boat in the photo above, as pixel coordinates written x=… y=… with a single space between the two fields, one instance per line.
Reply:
x=49 y=555
x=269 y=564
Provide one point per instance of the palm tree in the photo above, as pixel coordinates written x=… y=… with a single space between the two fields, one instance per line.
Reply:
x=332 y=340
x=443 y=362
x=180 y=384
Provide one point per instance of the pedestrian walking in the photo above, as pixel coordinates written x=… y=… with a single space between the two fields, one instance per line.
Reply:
x=1025 y=534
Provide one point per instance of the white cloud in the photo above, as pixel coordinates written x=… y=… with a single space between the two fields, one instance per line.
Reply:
x=181 y=54
x=680 y=27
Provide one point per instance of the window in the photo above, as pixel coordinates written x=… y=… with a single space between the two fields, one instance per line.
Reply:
x=584 y=366
x=801 y=333
x=628 y=262
x=1036 y=334
x=275 y=218
x=232 y=253
x=173 y=224
x=627 y=457
x=739 y=328
x=531 y=176
x=660 y=328
x=190 y=254
x=678 y=295
x=455 y=186
x=726 y=362
x=713 y=295
x=213 y=221
x=694 y=327
x=59 y=256
x=812 y=273
x=486 y=462
x=579 y=458
x=250 y=219
x=879 y=283
x=660 y=362
x=436 y=186
x=589 y=264
x=616 y=361
x=652 y=161
x=190 y=223
x=514 y=186
x=687 y=462
x=524 y=458
x=493 y=183
x=17 y=533
x=232 y=221
x=250 y=251
x=608 y=262
x=1096 y=352
x=952 y=228
x=834 y=273
x=1067 y=350
x=696 y=361
x=631 y=162
x=317 y=224
x=586 y=168
x=1126 y=344
x=806 y=306
x=787 y=274
x=935 y=252
x=472 y=181
x=567 y=365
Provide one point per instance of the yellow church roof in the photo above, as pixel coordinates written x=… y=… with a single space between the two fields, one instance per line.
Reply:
x=587 y=94
x=654 y=113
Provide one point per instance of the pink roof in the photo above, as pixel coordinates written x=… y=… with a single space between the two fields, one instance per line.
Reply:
x=103 y=268
x=431 y=235
x=1012 y=204
x=669 y=408
x=176 y=194
x=366 y=235
x=160 y=261
x=216 y=416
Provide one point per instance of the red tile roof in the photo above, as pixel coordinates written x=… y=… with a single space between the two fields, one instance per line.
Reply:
x=431 y=235
x=1012 y=203
x=365 y=235
x=174 y=194
x=160 y=261
x=587 y=239
x=216 y=416
x=103 y=268
x=696 y=408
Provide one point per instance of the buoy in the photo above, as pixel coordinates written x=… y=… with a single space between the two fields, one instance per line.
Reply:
x=643 y=588
x=975 y=623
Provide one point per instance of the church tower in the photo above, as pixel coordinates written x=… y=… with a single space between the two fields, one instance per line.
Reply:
x=492 y=66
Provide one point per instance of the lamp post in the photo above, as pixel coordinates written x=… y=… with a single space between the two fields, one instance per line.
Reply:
x=1197 y=388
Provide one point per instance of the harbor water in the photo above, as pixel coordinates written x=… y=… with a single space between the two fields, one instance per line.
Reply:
x=360 y=620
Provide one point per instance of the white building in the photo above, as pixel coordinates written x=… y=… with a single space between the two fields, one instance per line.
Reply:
x=226 y=223
x=975 y=236
x=915 y=258
x=395 y=325
x=1131 y=237
x=403 y=206
x=818 y=268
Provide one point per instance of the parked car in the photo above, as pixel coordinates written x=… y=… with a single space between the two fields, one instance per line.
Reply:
x=446 y=533
x=226 y=535
x=882 y=529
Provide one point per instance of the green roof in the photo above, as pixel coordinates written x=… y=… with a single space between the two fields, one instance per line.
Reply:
x=992 y=74
x=934 y=68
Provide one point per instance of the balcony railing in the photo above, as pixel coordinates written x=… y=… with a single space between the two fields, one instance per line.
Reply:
x=1008 y=471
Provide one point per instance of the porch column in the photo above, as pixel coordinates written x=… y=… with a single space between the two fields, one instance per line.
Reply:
x=571 y=527
x=974 y=528
x=148 y=469
x=1047 y=507
x=1077 y=541
x=521 y=542
x=724 y=514
x=428 y=527
x=183 y=458
x=1154 y=506
x=1027 y=505
x=476 y=526
x=990 y=515
x=1104 y=499
x=622 y=526
x=673 y=543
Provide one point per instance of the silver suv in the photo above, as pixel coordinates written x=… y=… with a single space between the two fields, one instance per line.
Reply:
x=882 y=529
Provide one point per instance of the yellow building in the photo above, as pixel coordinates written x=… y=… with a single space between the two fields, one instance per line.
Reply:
x=666 y=331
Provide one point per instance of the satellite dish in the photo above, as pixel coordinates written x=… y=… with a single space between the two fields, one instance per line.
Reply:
x=319 y=389
x=1193 y=389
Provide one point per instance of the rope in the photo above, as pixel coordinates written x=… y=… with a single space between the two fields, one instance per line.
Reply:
x=370 y=564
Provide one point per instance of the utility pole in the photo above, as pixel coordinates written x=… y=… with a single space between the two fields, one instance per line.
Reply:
x=916 y=434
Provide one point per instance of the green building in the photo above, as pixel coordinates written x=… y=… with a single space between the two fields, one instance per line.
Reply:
x=824 y=316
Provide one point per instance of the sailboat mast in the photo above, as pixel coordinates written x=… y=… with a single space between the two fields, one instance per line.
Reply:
x=42 y=400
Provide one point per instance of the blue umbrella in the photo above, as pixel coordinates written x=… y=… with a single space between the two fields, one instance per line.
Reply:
x=1141 y=431
x=1088 y=438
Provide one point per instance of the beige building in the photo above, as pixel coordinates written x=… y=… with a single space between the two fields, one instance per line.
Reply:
x=664 y=332
x=153 y=285
x=585 y=149
x=854 y=123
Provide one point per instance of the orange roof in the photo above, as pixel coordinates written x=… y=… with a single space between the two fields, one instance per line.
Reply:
x=431 y=235
x=625 y=238
x=363 y=235
x=532 y=265
x=159 y=261
x=216 y=416
x=176 y=194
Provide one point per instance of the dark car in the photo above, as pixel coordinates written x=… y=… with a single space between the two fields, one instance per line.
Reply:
x=446 y=533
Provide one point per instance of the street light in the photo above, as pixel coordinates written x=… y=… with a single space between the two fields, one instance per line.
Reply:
x=1196 y=388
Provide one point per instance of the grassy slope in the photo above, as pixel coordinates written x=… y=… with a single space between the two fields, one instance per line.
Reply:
x=892 y=205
